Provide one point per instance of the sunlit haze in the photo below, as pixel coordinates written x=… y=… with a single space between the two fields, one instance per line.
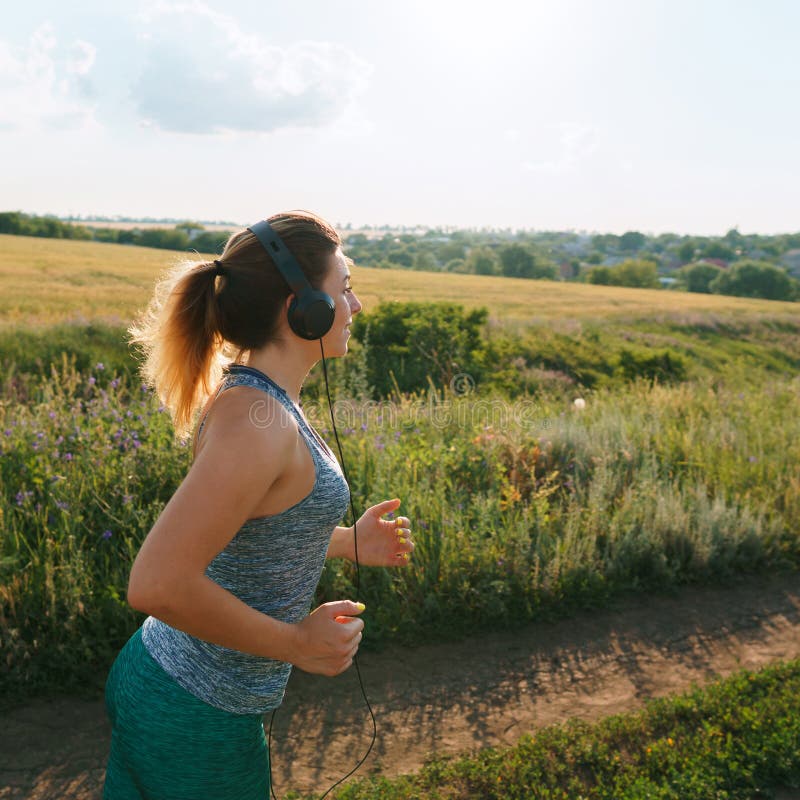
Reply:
x=605 y=116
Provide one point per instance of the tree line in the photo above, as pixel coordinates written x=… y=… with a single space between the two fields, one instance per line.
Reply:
x=735 y=264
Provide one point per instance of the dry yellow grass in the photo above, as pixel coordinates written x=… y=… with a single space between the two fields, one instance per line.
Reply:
x=43 y=281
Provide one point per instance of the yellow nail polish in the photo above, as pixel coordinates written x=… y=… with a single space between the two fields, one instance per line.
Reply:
x=361 y=606
x=402 y=540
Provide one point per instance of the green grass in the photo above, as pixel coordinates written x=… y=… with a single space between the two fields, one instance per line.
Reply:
x=521 y=509
x=736 y=739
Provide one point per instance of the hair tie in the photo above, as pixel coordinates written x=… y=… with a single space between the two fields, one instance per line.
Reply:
x=219 y=268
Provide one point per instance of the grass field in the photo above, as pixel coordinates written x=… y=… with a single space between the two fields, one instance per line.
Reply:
x=45 y=281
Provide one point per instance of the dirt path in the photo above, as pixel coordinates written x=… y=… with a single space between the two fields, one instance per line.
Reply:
x=452 y=698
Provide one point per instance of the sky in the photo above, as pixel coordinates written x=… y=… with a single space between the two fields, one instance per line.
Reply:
x=589 y=115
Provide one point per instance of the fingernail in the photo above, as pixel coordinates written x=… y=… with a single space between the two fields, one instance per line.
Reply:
x=402 y=540
x=360 y=606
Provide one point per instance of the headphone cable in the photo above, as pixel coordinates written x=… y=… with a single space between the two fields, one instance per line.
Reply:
x=358 y=593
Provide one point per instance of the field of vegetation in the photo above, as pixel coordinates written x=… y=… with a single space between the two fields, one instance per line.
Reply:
x=53 y=280
x=735 y=739
x=682 y=465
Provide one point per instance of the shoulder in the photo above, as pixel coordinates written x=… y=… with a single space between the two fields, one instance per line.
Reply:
x=251 y=422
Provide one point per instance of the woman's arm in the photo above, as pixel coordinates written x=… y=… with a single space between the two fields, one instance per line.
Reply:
x=341 y=545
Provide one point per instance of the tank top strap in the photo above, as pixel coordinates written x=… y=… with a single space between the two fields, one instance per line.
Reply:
x=243 y=375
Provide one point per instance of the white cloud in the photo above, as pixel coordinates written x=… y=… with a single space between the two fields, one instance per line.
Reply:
x=204 y=74
x=81 y=58
x=44 y=86
x=576 y=142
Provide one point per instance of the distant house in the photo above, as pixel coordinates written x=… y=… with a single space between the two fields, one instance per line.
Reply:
x=717 y=262
x=667 y=282
x=567 y=270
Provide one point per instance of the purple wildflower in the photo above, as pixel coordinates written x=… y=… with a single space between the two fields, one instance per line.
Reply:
x=67 y=456
x=92 y=380
x=752 y=459
x=99 y=366
x=107 y=535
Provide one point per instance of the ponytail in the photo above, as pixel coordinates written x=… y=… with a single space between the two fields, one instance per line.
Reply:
x=179 y=335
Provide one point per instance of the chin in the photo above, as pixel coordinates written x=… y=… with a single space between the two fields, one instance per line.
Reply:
x=335 y=349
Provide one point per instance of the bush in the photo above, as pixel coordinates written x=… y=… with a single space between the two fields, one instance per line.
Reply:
x=412 y=342
x=756 y=279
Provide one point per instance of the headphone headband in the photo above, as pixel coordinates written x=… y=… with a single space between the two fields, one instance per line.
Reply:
x=279 y=252
x=311 y=312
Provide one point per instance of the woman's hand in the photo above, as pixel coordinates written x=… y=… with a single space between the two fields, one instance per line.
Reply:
x=328 y=638
x=383 y=542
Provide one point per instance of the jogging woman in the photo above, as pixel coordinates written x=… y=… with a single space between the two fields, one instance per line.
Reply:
x=228 y=572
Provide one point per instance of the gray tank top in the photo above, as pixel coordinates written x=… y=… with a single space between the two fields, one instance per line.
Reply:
x=273 y=564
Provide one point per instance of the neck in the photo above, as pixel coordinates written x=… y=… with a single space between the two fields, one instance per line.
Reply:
x=287 y=365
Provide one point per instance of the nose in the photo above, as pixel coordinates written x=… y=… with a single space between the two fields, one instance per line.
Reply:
x=355 y=304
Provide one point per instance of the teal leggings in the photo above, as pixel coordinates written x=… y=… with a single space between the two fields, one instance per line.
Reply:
x=166 y=744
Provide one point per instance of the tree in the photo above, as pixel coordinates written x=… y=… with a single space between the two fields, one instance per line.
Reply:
x=599 y=275
x=698 y=276
x=483 y=261
x=632 y=241
x=718 y=250
x=749 y=278
x=425 y=262
x=516 y=261
x=640 y=273
x=519 y=261
x=686 y=251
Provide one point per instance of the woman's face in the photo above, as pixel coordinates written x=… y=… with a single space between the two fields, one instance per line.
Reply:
x=337 y=285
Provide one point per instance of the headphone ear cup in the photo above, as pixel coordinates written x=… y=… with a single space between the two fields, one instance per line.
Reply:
x=311 y=317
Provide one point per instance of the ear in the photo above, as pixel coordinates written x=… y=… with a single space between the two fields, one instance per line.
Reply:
x=288 y=303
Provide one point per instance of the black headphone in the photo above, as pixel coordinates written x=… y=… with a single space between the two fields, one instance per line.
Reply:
x=311 y=312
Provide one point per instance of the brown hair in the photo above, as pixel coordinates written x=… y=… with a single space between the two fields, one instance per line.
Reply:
x=194 y=323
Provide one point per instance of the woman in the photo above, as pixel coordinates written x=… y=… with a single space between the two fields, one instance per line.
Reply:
x=228 y=572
